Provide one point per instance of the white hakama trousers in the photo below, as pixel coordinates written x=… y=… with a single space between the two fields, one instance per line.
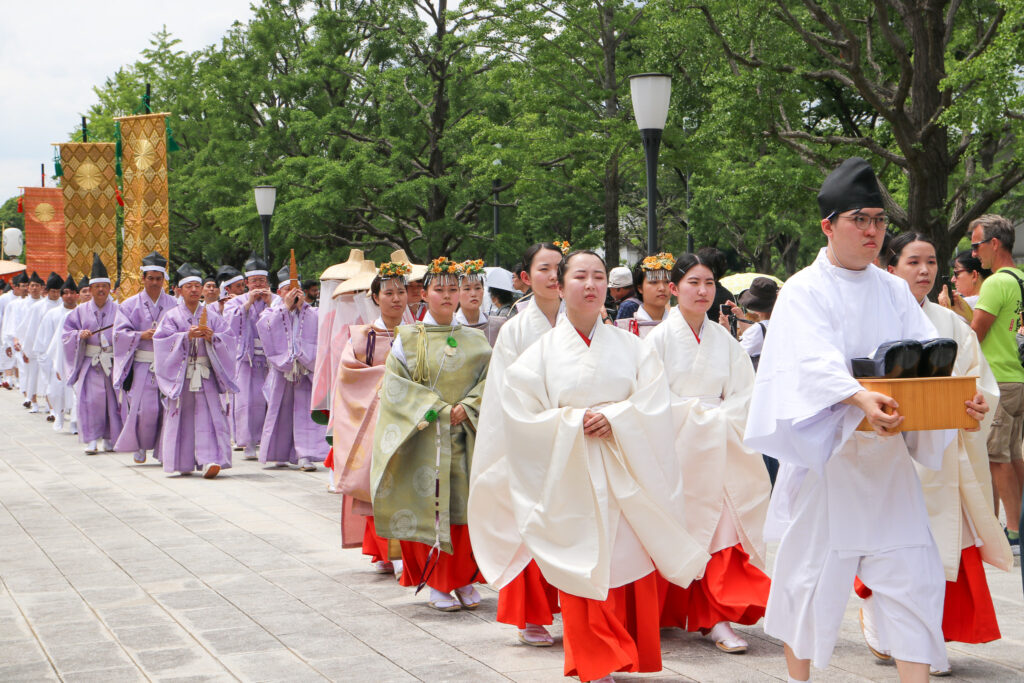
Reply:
x=812 y=581
x=30 y=379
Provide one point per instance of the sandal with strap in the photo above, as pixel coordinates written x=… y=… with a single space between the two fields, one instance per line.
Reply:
x=470 y=599
x=535 y=635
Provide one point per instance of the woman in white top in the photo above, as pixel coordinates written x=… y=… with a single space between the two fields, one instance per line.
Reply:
x=726 y=488
x=959 y=495
x=471 y=295
x=651 y=279
x=525 y=600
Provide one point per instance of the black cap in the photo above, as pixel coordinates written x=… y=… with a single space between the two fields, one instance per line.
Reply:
x=760 y=296
x=54 y=281
x=254 y=263
x=225 y=273
x=209 y=278
x=69 y=284
x=154 y=260
x=186 y=271
x=83 y=283
x=851 y=186
x=35 y=279
x=282 y=275
x=99 y=271
x=3 y=285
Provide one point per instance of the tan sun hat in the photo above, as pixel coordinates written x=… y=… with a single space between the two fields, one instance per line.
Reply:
x=418 y=271
x=361 y=281
x=343 y=271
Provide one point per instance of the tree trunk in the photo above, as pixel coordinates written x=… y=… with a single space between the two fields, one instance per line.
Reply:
x=611 y=210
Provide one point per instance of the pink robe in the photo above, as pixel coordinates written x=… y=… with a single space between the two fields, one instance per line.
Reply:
x=195 y=430
x=356 y=401
x=289 y=342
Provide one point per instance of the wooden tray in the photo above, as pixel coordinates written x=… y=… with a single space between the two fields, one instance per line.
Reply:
x=927 y=402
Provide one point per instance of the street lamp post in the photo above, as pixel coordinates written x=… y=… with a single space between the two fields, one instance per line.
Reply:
x=650 y=94
x=266 y=195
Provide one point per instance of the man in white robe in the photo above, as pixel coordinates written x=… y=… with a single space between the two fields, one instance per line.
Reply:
x=846 y=503
x=49 y=299
x=7 y=302
x=49 y=350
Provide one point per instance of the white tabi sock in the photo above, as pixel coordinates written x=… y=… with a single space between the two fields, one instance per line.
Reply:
x=793 y=680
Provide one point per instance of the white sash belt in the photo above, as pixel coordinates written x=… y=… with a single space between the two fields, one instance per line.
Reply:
x=198 y=370
x=102 y=356
x=146 y=357
x=297 y=372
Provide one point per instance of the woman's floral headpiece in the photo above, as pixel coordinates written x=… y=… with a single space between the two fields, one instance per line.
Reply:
x=390 y=269
x=563 y=245
x=473 y=269
x=659 y=266
x=444 y=268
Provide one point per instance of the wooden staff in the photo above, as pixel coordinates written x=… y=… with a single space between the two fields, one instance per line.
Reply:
x=293 y=271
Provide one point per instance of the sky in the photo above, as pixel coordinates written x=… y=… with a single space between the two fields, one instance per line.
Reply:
x=53 y=52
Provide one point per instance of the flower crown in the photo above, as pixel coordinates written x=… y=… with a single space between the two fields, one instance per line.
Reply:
x=658 y=266
x=442 y=265
x=563 y=245
x=392 y=269
x=472 y=267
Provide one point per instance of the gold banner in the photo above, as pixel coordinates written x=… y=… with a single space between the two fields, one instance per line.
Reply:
x=90 y=205
x=144 y=171
x=45 y=248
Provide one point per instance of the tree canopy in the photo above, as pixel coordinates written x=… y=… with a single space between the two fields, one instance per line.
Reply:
x=403 y=123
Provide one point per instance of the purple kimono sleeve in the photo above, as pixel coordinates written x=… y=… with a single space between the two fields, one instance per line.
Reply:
x=222 y=353
x=126 y=340
x=74 y=348
x=170 y=351
x=274 y=328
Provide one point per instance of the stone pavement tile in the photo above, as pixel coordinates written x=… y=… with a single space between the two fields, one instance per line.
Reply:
x=464 y=670
x=63 y=633
x=123 y=675
x=316 y=643
x=230 y=641
x=280 y=665
x=177 y=661
x=215 y=617
x=190 y=599
x=547 y=675
x=69 y=658
x=129 y=616
x=71 y=608
x=220 y=677
x=25 y=651
x=152 y=637
x=366 y=668
x=27 y=673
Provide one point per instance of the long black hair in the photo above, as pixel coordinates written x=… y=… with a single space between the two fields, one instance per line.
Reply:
x=687 y=262
x=900 y=242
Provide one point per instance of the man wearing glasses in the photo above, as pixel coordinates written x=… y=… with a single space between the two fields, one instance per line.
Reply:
x=996 y=320
x=846 y=502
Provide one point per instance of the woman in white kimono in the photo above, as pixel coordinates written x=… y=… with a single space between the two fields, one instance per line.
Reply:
x=471 y=296
x=959 y=495
x=596 y=496
x=525 y=599
x=651 y=280
x=726 y=486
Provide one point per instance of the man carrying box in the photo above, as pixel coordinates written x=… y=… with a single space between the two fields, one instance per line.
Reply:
x=846 y=503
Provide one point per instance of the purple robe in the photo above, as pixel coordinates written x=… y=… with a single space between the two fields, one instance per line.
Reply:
x=289 y=341
x=192 y=374
x=90 y=366
x=145 y=412
x=248 y=405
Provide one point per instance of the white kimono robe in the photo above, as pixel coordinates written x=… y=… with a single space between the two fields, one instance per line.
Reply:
x=13 y=315
x=497 y=546
x=710 y=383
x=959 y=496
x=596 y=513
x=49 y=351
x=6 y=300
x=845 y=502
x=39 y=370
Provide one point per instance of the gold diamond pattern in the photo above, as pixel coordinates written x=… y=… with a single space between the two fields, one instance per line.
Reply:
x=90 y=209
x=144 y=160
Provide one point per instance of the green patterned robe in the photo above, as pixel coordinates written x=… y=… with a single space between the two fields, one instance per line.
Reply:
x=402 y=478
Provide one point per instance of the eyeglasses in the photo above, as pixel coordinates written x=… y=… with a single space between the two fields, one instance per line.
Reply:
x=958 y=273
x=863 y=222
x=975 y=245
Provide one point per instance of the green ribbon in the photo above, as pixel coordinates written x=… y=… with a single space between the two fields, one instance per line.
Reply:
x=172 y=145
x=58 y=169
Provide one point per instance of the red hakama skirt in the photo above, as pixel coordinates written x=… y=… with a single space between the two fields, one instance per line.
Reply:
x=450 y=572
x=731 y=590
x=373 y=545
x=968 y=615
x=620 y=633
x=528 y=599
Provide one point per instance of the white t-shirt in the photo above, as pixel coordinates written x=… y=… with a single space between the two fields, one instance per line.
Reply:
x=752 y=338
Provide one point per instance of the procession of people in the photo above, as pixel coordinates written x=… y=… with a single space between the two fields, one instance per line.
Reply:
x=602 y=449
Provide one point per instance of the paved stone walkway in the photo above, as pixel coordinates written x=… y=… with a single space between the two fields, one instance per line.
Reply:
x=113 y=572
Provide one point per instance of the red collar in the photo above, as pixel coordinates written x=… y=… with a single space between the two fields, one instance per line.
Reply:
x=585 y=338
